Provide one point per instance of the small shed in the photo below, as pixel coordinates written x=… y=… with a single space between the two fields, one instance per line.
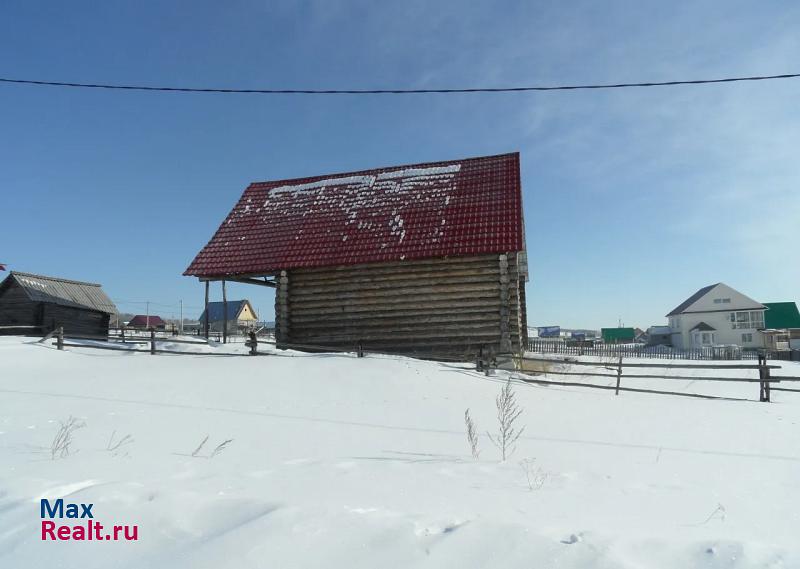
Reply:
x=146 y=321
x=618 y=335
x=40 y=303
x=424 y=259
x=240 y=316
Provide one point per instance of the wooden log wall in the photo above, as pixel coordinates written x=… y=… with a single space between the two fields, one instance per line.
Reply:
x=451 y=306
x=74 y=320
x=16 y=309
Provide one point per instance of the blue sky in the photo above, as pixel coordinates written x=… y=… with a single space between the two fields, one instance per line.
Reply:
x=633 y=199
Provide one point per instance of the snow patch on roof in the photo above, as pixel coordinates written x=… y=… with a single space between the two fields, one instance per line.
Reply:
x=31 y=282
x=319 y=184
x=414 y=172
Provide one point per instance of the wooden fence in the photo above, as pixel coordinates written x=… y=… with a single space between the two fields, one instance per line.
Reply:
x=615 y=371
x=152 y=338
x=537 y=345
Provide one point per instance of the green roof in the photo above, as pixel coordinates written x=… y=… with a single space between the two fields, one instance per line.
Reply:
x=617 y=334
x=781 y=315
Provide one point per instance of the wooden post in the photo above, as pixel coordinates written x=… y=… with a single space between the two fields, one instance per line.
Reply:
x=122 y=331
x=152 y=341
x=619 y=375
x=766 y=381
x=282 y=332
x=763 y=375
x=479 y=362
x=224 y=314
x=360 y=350
x=505 y=335
x=205 y=316
x=253 y=343
x=60 y=338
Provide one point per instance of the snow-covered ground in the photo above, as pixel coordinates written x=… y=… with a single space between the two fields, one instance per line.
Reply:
x=337 y=461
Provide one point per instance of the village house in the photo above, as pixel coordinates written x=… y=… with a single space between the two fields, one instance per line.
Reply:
x=717 y=315
x=145 y=322
x=418 y=259
x=40 y=304
x=659 y=336
x=240 y=316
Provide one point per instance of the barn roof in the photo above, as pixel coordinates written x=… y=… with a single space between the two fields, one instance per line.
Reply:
x=215 y=311
x=459 y=207
x=64 y=292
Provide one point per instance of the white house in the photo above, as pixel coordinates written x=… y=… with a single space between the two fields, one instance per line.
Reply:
x=717 y=315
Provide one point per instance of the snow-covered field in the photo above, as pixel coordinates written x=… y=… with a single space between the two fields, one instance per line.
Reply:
x=337 y=461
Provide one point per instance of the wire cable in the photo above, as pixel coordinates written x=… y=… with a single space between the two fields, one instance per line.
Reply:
x=394 y=91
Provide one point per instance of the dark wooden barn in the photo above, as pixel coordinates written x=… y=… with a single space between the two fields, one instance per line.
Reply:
x=416 y=259
x=40 y=304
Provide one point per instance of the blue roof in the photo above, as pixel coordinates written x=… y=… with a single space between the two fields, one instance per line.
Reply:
x=215 y=312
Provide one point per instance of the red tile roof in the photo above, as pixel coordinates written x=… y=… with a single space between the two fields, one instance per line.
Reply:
x=458 y=207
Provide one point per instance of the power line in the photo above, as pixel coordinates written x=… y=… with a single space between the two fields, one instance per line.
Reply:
x=394 y=91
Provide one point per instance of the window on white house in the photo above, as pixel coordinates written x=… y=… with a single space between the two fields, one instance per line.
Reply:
x=748 y=320
x=722 y=301
x=747 y=338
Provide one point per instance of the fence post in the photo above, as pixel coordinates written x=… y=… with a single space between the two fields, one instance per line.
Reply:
x=253 y=343
x=152 y=341
x=360 y=350
x=763 y=375
x=122 y=331
x=479 y=362
x=619 y=375
x=60 y=338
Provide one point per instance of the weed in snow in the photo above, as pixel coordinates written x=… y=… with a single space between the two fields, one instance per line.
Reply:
x=472 y=435
x=508 y=411
x=117 y=447
x=198 y=452
x=60 y=447
x=534 y=475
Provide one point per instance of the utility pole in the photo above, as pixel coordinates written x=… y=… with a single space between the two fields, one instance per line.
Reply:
x=180 y=326
x=147 y=318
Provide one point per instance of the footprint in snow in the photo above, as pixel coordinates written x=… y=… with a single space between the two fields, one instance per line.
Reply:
x=573 y=538
x=436 y=529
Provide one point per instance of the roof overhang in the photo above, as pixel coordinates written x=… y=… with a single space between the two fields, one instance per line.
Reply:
x=259 y=280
